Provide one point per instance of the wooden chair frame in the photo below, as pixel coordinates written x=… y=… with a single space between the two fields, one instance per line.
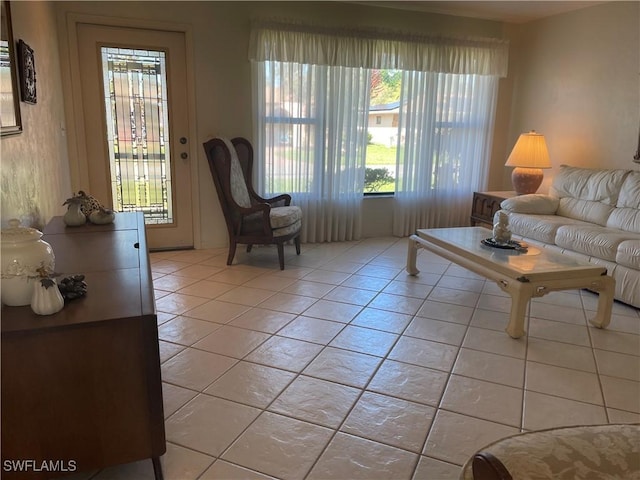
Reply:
x=246 y=226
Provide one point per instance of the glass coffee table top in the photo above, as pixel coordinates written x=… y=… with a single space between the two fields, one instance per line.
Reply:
x=467 y=242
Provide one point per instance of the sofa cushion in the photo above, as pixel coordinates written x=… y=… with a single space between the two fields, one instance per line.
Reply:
x=588 y=184
x=585 y=210
x=628 y=253
x=592 y=240
x=587 y=194
x=626 y=215
x=627 y=285
x=542 y=228
x=535 y=203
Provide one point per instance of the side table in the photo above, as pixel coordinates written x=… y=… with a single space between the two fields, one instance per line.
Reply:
x=485 y=205
x=82 y=389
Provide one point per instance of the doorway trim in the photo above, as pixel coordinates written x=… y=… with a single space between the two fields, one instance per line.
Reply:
x=74 y=108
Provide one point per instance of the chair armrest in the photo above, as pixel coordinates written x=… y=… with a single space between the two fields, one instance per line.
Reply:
x=264 y=209
x=286 y=198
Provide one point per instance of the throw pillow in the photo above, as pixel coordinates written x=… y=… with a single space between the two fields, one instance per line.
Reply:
x=535 y=203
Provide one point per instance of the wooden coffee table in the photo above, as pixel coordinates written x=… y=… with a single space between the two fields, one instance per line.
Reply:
x=522 y=275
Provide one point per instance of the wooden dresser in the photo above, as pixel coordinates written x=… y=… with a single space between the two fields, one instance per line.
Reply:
x=83 y=386
x=485 y=205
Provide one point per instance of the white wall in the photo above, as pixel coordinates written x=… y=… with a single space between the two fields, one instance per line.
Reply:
x=573 y=77
x=34 y=175
x=220 y=32
x=577 y=82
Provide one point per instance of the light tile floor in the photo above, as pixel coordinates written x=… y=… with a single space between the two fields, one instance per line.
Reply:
x=342 y=366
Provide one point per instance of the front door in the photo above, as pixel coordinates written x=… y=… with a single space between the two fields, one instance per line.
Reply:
x=135 y=103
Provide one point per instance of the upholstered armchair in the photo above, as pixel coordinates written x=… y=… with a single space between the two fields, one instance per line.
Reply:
x=251 y=219
x=590 y=451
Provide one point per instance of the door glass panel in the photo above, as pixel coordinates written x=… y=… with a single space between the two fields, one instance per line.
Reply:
x=135 y=96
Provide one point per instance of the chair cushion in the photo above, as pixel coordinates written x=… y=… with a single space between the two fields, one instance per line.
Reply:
x=282 y=220
x=280 y=217
x=595 y=451
x=288 y=230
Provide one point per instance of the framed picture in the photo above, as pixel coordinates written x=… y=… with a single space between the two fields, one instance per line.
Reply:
x=27 y=64
x=10 y=120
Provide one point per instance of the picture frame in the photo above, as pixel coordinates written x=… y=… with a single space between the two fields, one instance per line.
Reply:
x=10 y=118
x=27 y=65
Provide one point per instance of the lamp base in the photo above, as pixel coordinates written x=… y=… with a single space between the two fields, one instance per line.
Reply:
x=526 y=180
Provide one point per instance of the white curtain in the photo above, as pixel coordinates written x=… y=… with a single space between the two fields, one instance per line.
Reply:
x=311 y=142
x=274 y=40
x=311 y=102
x=445 y=131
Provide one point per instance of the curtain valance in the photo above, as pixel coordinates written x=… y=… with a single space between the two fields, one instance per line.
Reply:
x=280 y=41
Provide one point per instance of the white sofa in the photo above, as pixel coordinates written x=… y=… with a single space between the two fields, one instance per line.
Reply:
x=589 y=214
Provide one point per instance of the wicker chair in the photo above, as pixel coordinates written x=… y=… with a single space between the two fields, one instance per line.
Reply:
x=251 y=219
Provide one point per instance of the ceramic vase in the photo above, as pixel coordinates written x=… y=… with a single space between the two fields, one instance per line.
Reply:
x=102 y=216
x=24 y=258
x=46 y=298
x=74 y=216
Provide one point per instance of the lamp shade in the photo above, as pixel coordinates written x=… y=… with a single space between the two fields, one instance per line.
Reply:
x=530 y=151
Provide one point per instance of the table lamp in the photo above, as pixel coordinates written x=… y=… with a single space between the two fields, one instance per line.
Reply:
x=529 y=156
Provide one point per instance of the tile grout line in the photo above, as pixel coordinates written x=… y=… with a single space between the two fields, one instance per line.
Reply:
x=363 y=390
x=439 y=406
x=524 y=373
x=400 y=335
x=266 y=409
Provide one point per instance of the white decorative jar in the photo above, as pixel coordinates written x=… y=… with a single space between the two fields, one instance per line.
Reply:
x=46 y=298
x=23 y=255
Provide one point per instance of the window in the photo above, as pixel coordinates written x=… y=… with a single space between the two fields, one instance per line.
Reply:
x=414 y=117
x=290 y=123
x=384 y=103
x=135 y=95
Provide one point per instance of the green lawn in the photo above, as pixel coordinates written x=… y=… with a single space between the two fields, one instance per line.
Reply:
x=140 y=193
x=380 y=155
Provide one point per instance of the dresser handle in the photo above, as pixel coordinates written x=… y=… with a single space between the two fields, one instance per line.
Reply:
x=136 y=245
